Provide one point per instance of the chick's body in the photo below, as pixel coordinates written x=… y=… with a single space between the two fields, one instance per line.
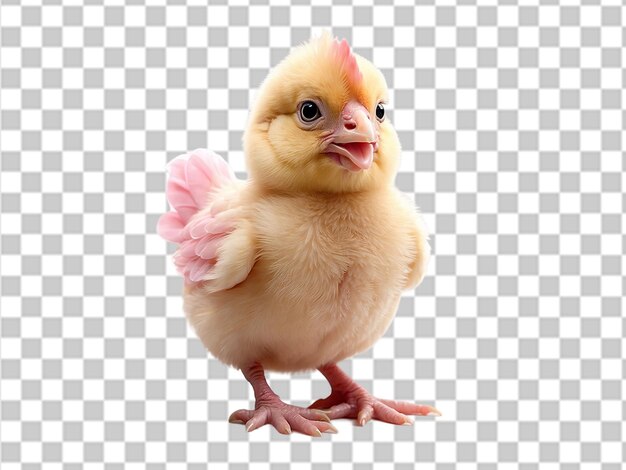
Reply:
x=326 y=284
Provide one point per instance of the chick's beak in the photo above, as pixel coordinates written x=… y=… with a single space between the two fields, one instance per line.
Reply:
x=354 y=140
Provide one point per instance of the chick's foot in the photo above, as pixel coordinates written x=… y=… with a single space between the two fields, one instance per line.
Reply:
x=270 y=409
x=350 y=400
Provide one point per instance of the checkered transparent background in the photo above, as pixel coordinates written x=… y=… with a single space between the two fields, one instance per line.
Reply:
x=511 y=119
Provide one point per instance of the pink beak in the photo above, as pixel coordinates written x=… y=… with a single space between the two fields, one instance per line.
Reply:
x=354 y=141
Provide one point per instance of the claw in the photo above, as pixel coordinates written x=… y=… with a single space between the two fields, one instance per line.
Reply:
x=325 y=427
x=252 y=425
x=432 y=411
x=281 y=425
x=240 y=417
x=365 y=415
x=331 y=429
x=322 y=416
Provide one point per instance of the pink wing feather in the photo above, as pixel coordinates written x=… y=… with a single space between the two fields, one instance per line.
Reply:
x=194 y=183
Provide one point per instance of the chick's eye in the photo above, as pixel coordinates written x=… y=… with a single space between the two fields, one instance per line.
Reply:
x=309 y=111
x=380 y=111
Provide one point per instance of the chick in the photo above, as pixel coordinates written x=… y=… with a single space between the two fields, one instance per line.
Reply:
x=302 y=265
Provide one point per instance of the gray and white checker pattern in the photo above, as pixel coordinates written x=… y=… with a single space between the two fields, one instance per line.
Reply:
x=511 y=119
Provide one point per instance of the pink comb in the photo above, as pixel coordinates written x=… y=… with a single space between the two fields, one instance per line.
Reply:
x=344 y=56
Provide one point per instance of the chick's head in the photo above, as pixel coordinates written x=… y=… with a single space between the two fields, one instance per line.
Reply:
x=319 y=123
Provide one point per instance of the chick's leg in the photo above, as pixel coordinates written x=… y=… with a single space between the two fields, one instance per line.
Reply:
x=349 y=400
x=270 y=409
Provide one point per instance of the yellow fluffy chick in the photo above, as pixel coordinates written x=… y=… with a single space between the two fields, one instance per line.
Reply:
x=303 y=265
